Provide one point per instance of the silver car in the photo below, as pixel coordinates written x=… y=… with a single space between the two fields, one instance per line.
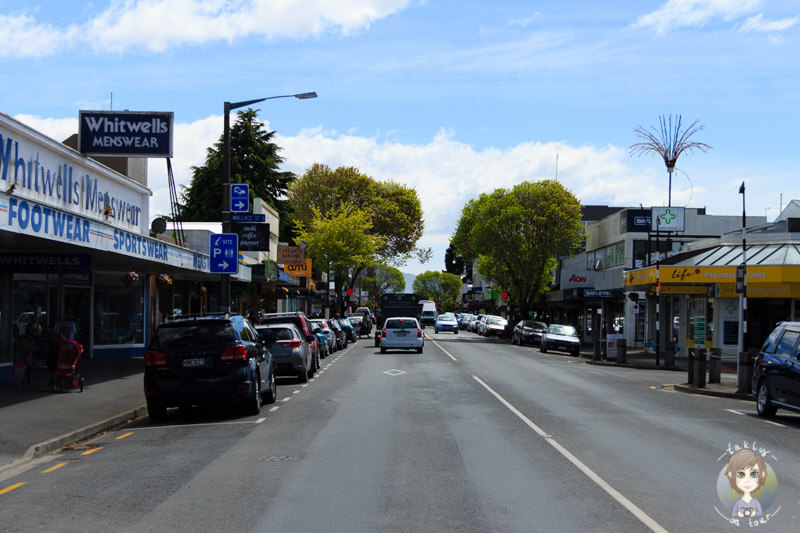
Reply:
x=402 y=333
x=562 y=338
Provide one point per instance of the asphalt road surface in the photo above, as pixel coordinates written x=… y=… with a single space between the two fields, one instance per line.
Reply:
x=471 y=435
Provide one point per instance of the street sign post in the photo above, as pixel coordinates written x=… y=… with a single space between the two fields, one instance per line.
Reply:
x=224 y=251
x=240 y=198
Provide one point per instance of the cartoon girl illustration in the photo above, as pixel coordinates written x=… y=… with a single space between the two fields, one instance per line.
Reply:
x=746 y=472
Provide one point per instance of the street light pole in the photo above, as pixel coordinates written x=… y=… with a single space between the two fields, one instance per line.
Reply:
x=742 y=295
x=225 y=280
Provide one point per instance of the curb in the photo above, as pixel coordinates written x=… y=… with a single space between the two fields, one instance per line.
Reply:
x=710 y=392
x=56 y=443
x=591 y=361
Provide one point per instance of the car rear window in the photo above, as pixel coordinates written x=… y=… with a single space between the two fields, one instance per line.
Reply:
x=193 y=334
x=282 y=334
x=398 y=324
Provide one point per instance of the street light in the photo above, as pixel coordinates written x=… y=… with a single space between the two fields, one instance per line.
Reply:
x=225 y=286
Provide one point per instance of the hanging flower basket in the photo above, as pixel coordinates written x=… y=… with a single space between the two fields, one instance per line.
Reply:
x=130 y=279
x=163 y=280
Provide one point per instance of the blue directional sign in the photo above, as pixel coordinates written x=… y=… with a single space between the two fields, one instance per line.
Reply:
x=240 y=198
x=224 y=252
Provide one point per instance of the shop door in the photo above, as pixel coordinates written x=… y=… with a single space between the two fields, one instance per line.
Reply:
x=77 y=309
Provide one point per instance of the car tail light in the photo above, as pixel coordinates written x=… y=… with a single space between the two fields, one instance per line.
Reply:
x=383 y=333
x=419 y=333
x=237 y=352
x=291 y=344
x=155 y=359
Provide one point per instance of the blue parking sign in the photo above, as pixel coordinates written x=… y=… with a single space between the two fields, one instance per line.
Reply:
x=224 y=253
x=240 y=198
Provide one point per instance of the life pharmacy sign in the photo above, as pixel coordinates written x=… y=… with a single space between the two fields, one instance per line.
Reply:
x=35 y=168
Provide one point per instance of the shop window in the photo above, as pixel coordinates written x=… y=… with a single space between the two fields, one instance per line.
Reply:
x=118 y=311
x=590 y=260
x=611 y=252
x=620 y=253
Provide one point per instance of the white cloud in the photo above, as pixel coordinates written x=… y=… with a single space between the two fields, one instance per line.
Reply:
x=157 y=25
x=758 y=24
x=698 y=13
x=22 y=36
x=57 y=129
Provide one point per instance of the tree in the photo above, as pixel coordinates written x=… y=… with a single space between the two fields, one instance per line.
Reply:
x=382 y=279
x=441 y=287
x=337 y=241
x=254 y=160
x=518 y=234
x=669 y=142
x=395 y=210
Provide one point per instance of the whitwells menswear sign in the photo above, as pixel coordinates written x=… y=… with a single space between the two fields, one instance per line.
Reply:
x=125 y=133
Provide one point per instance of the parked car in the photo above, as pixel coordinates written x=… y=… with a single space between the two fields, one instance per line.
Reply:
x=528 y=332
x=463 y=320
x=361 y=326
x=475 y=325
x=299 y=319
x=291 y=351
x=349 y=330
x=495 y=326
x=562 y=338
x=481 y=326
x=341 y=336
x=330 y=335
x=776 y=372
x=322 y=337
x=402 y=333
x=207 y=360
x=446 y=322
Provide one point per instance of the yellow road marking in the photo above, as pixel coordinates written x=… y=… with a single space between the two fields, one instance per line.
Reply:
x=128 y=434
x=90 y=452
x=54 y=467
x=12 y=487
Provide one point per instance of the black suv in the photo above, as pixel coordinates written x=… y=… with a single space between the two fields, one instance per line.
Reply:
x=207 y=359
x=776 y=376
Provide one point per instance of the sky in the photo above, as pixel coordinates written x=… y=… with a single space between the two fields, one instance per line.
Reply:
x=451 y=97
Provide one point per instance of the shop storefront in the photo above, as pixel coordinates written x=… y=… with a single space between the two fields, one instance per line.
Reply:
x=75 y=252
x=700 y=304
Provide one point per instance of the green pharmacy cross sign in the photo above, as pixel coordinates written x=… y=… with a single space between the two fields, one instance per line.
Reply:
x=670 y=219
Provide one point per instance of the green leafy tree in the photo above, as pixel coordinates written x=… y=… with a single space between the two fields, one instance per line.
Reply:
x=382 y=279
x=394 y=210
x=518 y=234
x=441 y=287
x=254 y=160
x=337 y=241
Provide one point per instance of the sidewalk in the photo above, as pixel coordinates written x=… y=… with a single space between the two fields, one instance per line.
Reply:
x=35 y=421
x=647 y=361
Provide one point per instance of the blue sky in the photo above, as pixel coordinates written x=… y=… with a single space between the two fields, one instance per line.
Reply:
x=453 y=98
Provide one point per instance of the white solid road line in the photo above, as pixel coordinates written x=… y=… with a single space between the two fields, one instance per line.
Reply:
x=448 y=354
x=614 y=493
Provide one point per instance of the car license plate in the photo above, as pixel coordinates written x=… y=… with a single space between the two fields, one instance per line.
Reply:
x=401 y=333
x=194 y=363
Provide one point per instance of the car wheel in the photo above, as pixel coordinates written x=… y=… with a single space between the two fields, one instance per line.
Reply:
x=436 y=331
x=302 y=375
x=576 y=352
x=456 y=332
x=272 y=392
x=764 y=402
x=419 y=350
x=156 y=410
x=383 y=350
x=543 y=348
x=253 y=405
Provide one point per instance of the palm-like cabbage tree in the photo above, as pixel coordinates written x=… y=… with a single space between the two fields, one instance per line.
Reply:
x=670 y=142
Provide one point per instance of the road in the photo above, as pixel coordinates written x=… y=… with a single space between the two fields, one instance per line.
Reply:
x=471 y=435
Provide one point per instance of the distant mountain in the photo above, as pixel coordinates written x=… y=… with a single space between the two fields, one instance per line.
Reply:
x=409 y=281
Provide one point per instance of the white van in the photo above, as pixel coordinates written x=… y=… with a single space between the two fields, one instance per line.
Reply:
x=428 y=314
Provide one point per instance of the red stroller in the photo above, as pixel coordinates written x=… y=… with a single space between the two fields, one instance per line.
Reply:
x=66 y=375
